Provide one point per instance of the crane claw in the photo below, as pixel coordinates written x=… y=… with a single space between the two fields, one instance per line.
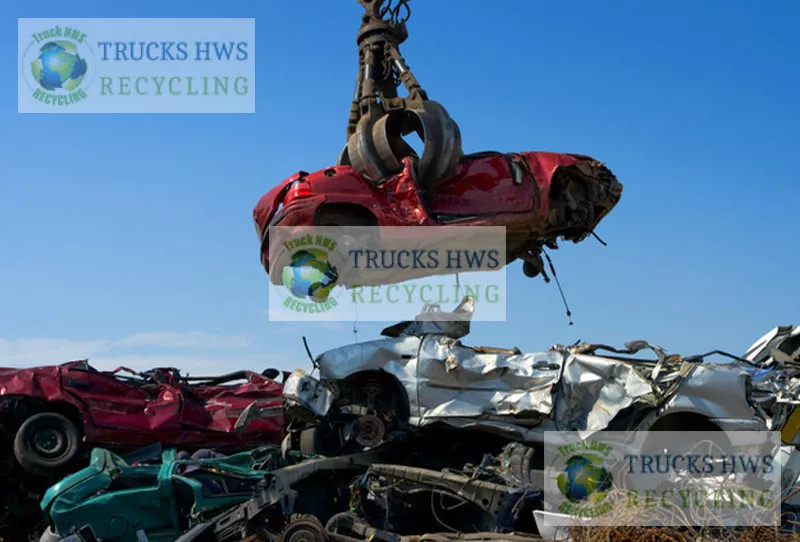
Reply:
x=377 y=147
x=379 y=118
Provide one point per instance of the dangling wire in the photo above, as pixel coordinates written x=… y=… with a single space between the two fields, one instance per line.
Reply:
x=558 y=283
x=355 y=322
x=598 y=238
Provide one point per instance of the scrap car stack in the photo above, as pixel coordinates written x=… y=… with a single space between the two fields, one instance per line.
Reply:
x=412 y=437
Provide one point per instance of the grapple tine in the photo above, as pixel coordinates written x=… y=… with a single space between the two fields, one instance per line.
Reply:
x=442 y=143
x=344 y=157
x=363 y=156
x=389 y=144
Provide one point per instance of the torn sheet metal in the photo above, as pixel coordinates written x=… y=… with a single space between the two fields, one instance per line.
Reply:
x=594 y=390
x=580 y=388
x=432 y=320
x=307 y=392
x=127 y=408
x=448 y=382
x=781 y=344
x=456 y=381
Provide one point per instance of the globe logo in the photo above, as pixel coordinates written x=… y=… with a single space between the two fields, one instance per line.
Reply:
x=59 y=66
x=310 y=275
x=585 y=480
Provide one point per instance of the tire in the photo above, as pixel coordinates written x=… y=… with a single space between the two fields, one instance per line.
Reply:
x=271 y=373
x=320 y=440
x=47 y=443
x=309 y=441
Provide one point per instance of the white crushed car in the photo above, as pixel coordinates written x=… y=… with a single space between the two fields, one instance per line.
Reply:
x=422 y=375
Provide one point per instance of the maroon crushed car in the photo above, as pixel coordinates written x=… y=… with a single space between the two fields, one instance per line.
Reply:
x=51 y=415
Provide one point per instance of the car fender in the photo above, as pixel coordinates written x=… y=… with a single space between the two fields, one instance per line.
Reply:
x=717 y=391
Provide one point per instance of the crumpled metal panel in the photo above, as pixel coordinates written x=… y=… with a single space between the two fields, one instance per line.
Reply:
x=572 y=388
x=39 y=382
x=780 y=342
x=432 y=320
x=457 y=381
x=116 y=411
x=446 y=381
x=396 y=357
x=594 y=390
x=718 y=389
x=392 y=356
x=305 y=391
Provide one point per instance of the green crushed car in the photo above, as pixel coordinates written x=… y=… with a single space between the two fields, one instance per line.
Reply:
x=133 y=501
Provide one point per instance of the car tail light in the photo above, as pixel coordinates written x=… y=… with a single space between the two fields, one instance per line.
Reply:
x=299 y=189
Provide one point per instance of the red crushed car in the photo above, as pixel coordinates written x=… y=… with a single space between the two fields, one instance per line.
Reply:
x=537 y=196
x=53 y=414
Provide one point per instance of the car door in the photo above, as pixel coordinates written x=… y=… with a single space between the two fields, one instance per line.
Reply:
x=495 y=184
x=193 y=415
x=118 y=403
x=457 y=381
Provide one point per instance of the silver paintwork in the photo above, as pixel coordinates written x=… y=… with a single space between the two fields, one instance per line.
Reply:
x=523 y=395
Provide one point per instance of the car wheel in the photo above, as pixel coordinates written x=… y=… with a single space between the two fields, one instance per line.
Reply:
x=46 y=443
x=531 y=270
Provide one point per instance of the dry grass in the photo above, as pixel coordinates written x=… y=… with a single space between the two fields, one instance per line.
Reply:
x=679 y=534
x=682 y=526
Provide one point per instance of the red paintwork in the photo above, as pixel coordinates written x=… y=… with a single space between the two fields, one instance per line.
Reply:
x=481 y=190
x=119 y=413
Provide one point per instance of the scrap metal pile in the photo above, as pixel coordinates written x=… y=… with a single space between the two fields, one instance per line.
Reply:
x=416 y=436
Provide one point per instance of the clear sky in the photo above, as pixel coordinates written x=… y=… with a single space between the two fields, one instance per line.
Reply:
x=129 y=238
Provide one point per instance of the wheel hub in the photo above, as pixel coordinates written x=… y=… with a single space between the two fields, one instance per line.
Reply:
x=303 y=530
x=49 y=442
x=370 y=431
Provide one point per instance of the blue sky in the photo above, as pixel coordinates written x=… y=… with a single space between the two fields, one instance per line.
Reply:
x=129 y=238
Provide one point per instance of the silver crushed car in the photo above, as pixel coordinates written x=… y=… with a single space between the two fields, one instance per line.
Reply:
x=421 y=375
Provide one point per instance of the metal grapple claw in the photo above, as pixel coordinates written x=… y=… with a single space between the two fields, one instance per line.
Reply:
x=379 y=118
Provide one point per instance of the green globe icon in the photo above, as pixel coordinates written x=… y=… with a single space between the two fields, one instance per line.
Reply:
x=59 y=66
x=584 y=479
x=310 y=275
